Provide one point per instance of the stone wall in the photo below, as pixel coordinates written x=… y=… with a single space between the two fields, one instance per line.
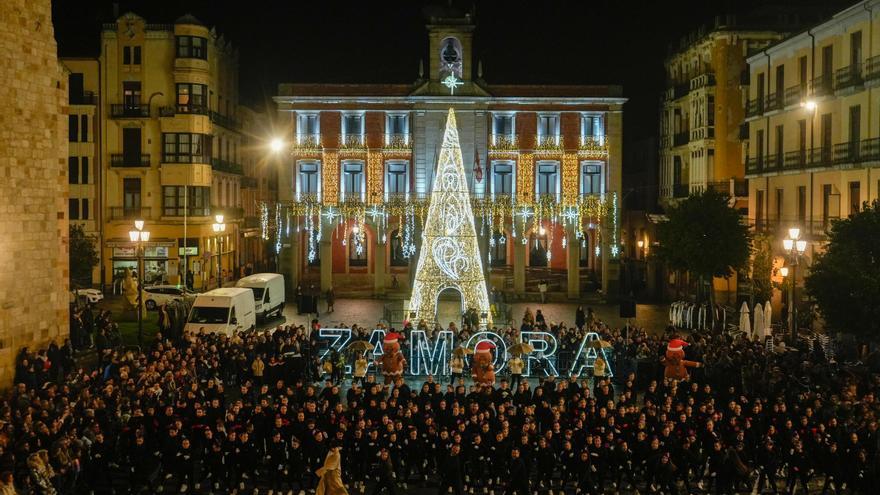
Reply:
x=33 y=183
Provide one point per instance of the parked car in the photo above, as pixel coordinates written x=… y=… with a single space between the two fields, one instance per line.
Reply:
x=90 y=295
x=157 y=295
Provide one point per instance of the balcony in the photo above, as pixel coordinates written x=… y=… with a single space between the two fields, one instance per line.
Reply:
x=503 y=143
x=226 y=166
x=795 y=95
x=681 y=190
x=872 y=68
x=129 y=213
x=703 y=81
x=755 y=107
x=129 y=111
x=743 y=131
x=130 y=160
x=681 y=138
x=680 y=90
x=86 y=98
x=224 y=121
x=548 y=144
x=230 y=213
x=249 y=182
x=396 y=142
x=183 y=109
x=848 y=77
x=353 y=142
x=754 y=165
x=593 y=147
x=773 y=102
x=307 y=142
x=823 y=85
x=703 y=132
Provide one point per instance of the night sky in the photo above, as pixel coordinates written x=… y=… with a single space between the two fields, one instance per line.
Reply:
x=547 y=41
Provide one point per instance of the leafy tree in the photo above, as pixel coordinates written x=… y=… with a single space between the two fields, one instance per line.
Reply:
x=762 y=268
x=845 y=279
x=83 y=257
x=705 y=237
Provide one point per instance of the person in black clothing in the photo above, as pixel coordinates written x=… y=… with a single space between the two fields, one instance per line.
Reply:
x=518 y=475
x=451 y=476
x=384 y=474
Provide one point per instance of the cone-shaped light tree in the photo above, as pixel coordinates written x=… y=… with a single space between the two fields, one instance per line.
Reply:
x=450 y=256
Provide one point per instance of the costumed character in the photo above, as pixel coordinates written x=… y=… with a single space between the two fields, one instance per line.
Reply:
x=130 y=288
x=392 y=361
x=482 y=369
x=675 y=363
x=330 y=482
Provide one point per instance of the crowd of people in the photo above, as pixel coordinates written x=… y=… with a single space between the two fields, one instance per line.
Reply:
x=248 y=414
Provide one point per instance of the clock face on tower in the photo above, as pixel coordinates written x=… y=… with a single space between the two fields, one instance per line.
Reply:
x=450 y=57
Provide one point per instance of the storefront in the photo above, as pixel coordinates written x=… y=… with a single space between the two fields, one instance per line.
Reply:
x=158 y=268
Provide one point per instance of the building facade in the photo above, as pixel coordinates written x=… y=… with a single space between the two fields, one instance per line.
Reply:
x=543 y=165
x=157 y=134
x=33 y=190
x=702 y=112
x=813 y=138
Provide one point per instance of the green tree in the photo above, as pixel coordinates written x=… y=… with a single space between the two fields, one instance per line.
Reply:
x=83 y=257
x=845 y=279
x=762 y=268
x=705 y=237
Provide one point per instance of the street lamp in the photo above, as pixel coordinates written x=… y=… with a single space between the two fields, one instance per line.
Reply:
x=139 y=237
x=794 y=247
x=276 y=145
x=219 y=227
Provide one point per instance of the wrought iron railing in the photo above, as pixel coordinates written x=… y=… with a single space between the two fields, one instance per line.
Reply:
x=226 y=166
x=503 y=142
x=129 y=111
x=130 y=160
x=130 y=213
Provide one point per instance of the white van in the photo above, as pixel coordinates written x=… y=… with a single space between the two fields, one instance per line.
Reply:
x=227 y=310
x=268 y=293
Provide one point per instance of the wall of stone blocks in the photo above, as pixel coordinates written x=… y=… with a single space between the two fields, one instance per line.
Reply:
x=33 y=183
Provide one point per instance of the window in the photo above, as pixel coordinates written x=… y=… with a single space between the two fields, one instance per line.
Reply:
x=131 y=94
x=395 y=179
x=397 y=124
x=136 y=59
x=397 y=257
x=502 y=178
x=591 y=178
x=503 y=124
x=84 y=128
x=183 y=147
x=126 y=55
x=73 y=208
x=175 y=204
x=75 y=89
x=72 y=128
x=499 y=249
x=84 y=170
x=308 y=179
x=352 y=179
x=548 y=172
x=855 y=197
x=131 y=196
x=352 y=124
x=593 y=127
x=72 y=170
x=84 y=209
x=357 y=251
x=192 y=97
x=779 y=203
x=192 y=47
x=802 y=203
x=548 y=127
x=538 y=250
x=307 y=124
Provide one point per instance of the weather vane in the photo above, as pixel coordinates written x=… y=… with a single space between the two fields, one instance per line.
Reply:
x=452 y=82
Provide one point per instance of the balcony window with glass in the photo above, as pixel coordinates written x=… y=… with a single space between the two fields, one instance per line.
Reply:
x=184 y=147
x=352 y=130
x=397 y=130
x=592 y=128
x=591 y=178
x=192 y=98
x=396 y=183
x=308 y=179
x=502 y=178
x=548 y=129
x=503 y=131
x=547 y=178
x=175 y=204
x=192 y=47
x=308 y=128
x=352 y=180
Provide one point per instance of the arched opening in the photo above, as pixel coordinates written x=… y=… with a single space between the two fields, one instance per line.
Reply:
x=449 y=307
x=538 y=250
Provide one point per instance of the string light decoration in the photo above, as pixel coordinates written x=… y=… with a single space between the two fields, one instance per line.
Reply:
x=450 y=256
x=375 y=174
x=570 y=178
x=525 y=178
x=264 y=221
x=277 y=228
x=330 y=177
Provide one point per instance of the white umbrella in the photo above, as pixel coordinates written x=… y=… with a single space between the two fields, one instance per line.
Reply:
x=744 y=322
x=768 y=312
x=759 y=321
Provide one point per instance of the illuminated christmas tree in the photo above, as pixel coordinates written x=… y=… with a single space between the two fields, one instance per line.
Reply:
x=450 y=256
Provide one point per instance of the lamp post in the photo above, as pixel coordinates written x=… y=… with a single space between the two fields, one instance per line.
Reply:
x=139 y=236
x=794 y=247
x=219 y=227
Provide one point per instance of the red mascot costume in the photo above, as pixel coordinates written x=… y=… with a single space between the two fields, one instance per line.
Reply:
x=482 y=368
x=676 y=364
x=392 y=360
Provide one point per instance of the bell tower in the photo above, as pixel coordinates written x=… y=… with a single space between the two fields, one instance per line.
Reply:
x=450 y=36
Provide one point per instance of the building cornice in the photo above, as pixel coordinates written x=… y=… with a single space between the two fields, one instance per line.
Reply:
x=449 y=100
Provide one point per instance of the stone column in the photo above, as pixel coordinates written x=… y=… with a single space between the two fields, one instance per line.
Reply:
x=326 y=248
x=379 y=262
x=573 y=265
x=519 y=267
x=614 y=187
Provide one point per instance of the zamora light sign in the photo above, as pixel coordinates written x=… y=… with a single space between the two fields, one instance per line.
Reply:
x=431 y=356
